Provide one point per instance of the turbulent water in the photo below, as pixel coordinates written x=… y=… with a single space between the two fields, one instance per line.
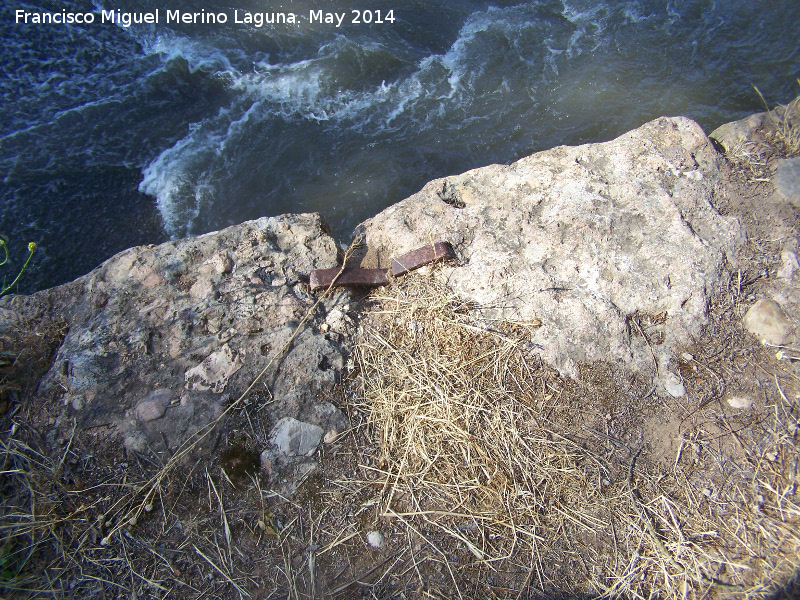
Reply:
x=112 y=136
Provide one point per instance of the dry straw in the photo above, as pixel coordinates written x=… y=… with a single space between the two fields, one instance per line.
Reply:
x=478 y=450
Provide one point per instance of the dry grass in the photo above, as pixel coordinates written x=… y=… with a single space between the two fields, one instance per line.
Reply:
x=785 y=131
x=753 y=159
x=481 y=449
x=60 y=540
x=750 y=160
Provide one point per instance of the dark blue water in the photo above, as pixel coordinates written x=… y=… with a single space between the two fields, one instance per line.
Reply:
x=114 y=136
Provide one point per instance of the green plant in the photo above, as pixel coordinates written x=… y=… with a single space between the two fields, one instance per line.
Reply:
x=4 y=245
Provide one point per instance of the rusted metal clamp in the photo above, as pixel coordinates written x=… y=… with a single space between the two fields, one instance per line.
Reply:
x=353 y=276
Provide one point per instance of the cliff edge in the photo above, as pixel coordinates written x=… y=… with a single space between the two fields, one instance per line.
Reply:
x=637 y=281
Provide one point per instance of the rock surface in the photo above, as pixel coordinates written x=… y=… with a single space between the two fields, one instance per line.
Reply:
x=160 y=338
x=737 y=134
x=295 y=438
x=787 y=180
x=615 y=247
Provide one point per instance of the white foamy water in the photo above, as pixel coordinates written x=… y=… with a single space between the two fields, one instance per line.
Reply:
x=187 y=177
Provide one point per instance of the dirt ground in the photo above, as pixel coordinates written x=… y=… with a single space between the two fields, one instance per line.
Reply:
x=551 y=488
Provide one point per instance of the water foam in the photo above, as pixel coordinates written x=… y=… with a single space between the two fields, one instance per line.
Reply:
x=498 y=52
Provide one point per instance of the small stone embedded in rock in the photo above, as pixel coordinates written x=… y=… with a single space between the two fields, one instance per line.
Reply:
x=740 y=402
x=295 y=438
x=154 y=406
x=136 y=441
x=767 y=321
x=214 y=372
x=339 y=321
x=376 y=539
x=674 y=386
x=220 y=264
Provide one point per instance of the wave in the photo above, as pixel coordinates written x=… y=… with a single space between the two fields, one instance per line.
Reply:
x=497 y=52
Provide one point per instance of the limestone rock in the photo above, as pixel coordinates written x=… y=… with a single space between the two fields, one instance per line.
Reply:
x=161 y=337
x=787 y=180
x=295 y=438
x=767 y=321
x=586 y=239
x=736 y=134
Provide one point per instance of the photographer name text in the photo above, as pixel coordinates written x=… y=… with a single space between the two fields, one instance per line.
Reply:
x=204 y=17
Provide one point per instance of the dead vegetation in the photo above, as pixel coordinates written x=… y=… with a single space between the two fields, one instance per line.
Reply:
x=752 y=159
x=784 y=132
x=502 y=469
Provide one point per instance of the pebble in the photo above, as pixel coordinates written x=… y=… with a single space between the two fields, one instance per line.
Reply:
x=135 y=441
x=77 y=402
x=154 y=406
x=767 y=321
x=740 y=402
x=789 y=265
x=674 y=386
x=787 y=180
x=376 y=539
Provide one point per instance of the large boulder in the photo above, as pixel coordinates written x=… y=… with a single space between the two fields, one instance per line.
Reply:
x=161 y=337
x=616 y=247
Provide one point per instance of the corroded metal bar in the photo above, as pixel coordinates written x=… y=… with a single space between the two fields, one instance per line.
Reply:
x=322 y=278
x=421 y=256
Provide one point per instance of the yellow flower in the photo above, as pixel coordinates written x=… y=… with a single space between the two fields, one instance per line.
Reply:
x=31 y=246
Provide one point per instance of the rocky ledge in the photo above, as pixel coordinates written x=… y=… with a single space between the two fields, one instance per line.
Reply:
x=614 y=248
